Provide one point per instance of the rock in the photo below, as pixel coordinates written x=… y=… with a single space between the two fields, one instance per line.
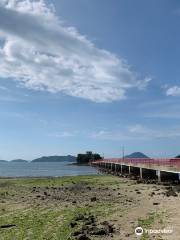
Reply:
x=8 y=226
x=139 y=181
x=98 y=231
x=171 y=192
x=85 y=228
x=93 y=199
x=76 y=233
x=153 y=181
x=156 y=203
x=138 y=192
x=83 y=237
x=79 y=217
x=89 y=220
x=128 y=235
x=73 y=224
x=92 y=218
x=109 y=227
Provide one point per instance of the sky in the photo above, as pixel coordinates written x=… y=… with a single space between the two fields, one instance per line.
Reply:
x=89 y=75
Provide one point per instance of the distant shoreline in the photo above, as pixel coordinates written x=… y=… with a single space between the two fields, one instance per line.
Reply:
x=78 y=164
x=69 y=163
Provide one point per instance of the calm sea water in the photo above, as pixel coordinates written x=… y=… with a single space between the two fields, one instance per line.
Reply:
x=44 y=169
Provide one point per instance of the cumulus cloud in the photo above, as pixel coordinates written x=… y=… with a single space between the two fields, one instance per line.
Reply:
x=173 y=91
x=41 y=53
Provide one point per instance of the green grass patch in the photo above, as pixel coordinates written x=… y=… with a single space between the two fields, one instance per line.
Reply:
x=101 y=180
x=147 y=223
x=51 y=221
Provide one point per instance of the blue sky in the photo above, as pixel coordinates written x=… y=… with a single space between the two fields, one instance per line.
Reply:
x=89 y=75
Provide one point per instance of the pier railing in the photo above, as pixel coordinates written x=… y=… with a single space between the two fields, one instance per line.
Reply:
x=166 y=162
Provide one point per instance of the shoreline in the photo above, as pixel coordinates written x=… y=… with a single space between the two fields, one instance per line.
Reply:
x=49 y=177
x=79 y=164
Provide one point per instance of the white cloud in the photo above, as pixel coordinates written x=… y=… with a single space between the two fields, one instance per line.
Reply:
x=137 y=129
x=41 y=53
x=173 y=91
x=154 y=133
x=3 y=88
x=137 y=132
x=110 y=135
x=63 y=134
x=168 y=108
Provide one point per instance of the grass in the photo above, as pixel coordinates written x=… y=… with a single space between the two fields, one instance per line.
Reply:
x=100 y=180
x=46 y=223
x=50 y=220
x=148 y=222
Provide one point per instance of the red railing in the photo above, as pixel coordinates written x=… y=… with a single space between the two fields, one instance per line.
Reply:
x=145 y=161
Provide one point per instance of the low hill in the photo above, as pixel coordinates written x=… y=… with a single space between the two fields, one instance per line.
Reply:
x=136 y=155
x=19 y=161
x=178 y=156
x=3 y=161
x=67 y=158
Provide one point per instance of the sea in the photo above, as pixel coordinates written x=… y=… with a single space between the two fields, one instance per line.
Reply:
x=44 y=169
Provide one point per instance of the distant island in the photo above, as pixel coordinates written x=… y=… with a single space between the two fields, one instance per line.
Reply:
x=136 y=155
x=3 y=161
x=81 y=159
x=19 y=161
x=67 y=158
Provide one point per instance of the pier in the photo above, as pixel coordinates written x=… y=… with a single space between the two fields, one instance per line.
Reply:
x=161 y=170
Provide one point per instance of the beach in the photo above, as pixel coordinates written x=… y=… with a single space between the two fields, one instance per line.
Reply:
x=87 y=207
